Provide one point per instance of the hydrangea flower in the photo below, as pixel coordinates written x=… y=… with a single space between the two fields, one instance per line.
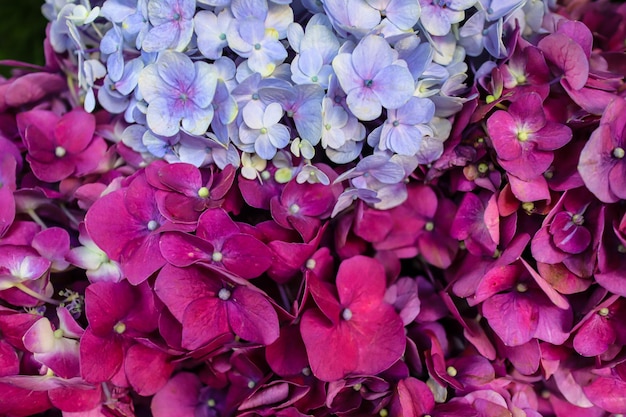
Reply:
x=373 y=84
x=179 y=93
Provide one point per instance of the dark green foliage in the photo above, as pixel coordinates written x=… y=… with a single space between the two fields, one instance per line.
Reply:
x=22 y=31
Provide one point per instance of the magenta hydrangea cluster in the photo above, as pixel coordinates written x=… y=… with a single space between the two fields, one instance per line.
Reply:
x=251 y=208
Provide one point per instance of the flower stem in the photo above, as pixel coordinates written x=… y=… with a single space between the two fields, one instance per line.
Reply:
x=33 y=215
x=36 y=295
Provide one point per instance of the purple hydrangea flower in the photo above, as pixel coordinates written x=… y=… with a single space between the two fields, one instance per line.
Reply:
x=173 y=25
x=372 y=84
x=178 y=92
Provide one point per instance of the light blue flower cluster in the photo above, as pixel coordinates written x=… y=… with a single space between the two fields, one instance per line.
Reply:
x=218 y=81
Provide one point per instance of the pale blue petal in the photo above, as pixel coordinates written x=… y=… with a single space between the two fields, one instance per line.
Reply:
x=364 y=103
x=253 y=114
x=393 y=86
x=370 y=56
x=160 y=118
x=264 y=148
x=203 y=88
x=272 y=114
x=404 y=139
x=279 y=136
x=150 y=84
x=197 y=122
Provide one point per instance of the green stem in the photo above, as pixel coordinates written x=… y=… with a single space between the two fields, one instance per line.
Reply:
x=36 y=295
x=33 y=215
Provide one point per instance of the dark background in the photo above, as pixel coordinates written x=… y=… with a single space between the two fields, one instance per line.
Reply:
x=22 y=31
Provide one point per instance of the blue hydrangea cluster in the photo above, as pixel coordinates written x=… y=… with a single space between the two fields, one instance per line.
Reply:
x=374 y=83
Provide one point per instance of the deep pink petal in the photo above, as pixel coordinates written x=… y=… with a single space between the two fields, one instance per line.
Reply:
x=502 y=129
x=182 y=177
x=245 y=256
x=76 y=400
x=569 y=56
x=412 y=398
x=361 y=283
x=147 y=369
x=204 y=319
x=552 y=136
x=252 y=317
x=595 y=336
x=107 y=303
x=100 y=357
x=178 y=397
x=75 y=130
x=215 y=225
x=287 y=355
x=182 y=249
x=596 y=163
x=527 y=111
x=142 y=258
x=179 y=287
x=338 y=356
x=89 y=159
x=513 y=317
x=608 y=394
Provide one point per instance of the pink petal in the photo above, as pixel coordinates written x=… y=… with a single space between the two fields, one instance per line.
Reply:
x=595 y=336
x=287 y=355
x=608 y=394
x=204 y=320
x=147 y=369
x=182 y=177
x=337 y=356
x=569 y=56
x=182 y=249
x=245 y=256
x=179 y=287
x=76 y=400
x=178 y=397
x=100 y=357
x=215 y=225
x=107 y=303
x=502 y=130
x=252 y=317
x=75 y=130
x=513 y=317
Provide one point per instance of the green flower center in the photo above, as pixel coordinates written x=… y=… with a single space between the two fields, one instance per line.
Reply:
x=203 y=192
x=60 y=151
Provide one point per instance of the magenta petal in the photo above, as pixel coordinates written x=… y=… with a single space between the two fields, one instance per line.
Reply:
x=252 y=317
x=182 y=177
x=527 y=110
x=106 y=303
x=75 y=130
x=591 y=100
x=535 y=189
x=178 y=397
x=142 y=259
x=608 y=394
x=245 y=256
x=530 y=165
x=617 y=180
x=182 y=249
x=215 y=225
x=100 y=357
x=569 y=56
x=512 y=316
x=337 y=356
x=594 y=337
x=204 y=320
x=543 y=250
x=179 y=287
x=76 y=400
x=147 y=369
x=412 y=398
x=552 y=136
x=12 y=401
x=502 y=129
x=9 y=361
x=567 y=236
x=287 y=355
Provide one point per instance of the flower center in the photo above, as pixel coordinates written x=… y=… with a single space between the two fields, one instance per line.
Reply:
x=306 y=371
x=429 y=226
x=314 y=78
x=58 y=333
x=251 y=384
x=521 y=287
x=327 y=126
x=266 y=175
x=368 y=83
x=346 y=314
x=621 y=248
x=451 y=370
x=257 y=46
x=310 y=264
x=222 y=36
x=217 y=257
x=357 y=387
x=255 y=96
x=60 y=151
x=263 y=130
x=396 y=123
x=528 y=206
x=603 y=312
x=203 y=192
x=152 y=225
x=224 y=294
x=294 y=208
x=619 y=152
x=522 y=136
x=119 y=328
x=578 y=219
x=210 y=403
